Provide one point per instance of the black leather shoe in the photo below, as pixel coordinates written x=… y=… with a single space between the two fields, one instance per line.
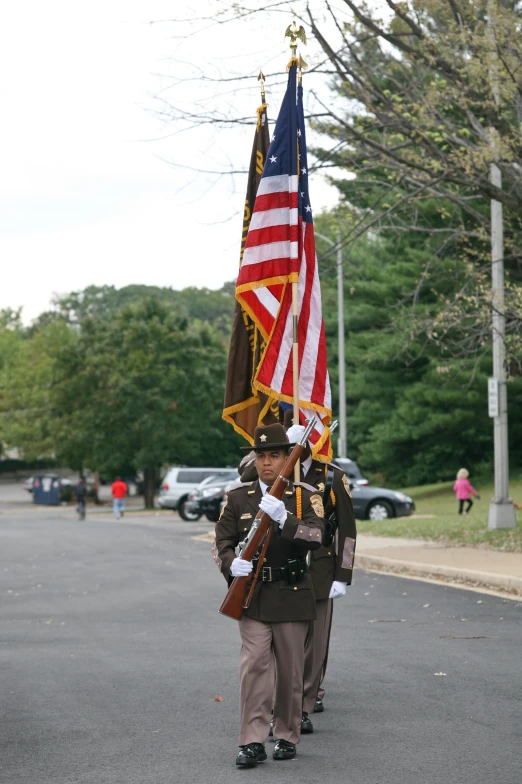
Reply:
x=306 y=725
x=284 y=750
x=250 y=755
x=319 y=707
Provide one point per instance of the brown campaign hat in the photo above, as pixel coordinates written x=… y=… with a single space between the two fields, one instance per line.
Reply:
x=269 y=437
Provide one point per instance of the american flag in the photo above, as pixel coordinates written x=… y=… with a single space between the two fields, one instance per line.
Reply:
x=280 y=249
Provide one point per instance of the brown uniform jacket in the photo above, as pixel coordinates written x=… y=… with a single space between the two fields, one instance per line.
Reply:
x=334 y=562
x=273 y=601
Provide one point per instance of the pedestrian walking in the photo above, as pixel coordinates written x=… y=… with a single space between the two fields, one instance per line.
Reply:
x=119 y=491
x=80 y=493
x=463 y=489
x=274 y=627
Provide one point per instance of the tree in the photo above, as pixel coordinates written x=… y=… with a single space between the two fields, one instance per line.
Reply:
x=140 y=388
x=415 y=415
x=429 y=100
x=27 y=420
x=196 y=305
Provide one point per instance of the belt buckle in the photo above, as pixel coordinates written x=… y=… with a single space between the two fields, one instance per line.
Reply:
x=266 y=574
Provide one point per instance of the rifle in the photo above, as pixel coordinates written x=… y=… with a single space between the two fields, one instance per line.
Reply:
x=234 y=602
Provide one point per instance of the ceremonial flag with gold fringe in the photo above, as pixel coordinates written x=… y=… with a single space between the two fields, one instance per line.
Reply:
x=279 y=250
x=245 y=407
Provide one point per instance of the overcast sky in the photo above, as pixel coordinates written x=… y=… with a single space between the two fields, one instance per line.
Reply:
x=87 y=195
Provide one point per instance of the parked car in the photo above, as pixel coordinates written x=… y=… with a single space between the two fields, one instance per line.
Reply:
x=352 y=470
x=179 y=482
x=373 y=503
x=208 y=498
x=379 y=503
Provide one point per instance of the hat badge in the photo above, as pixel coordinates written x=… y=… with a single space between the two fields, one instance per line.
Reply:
x=262 y=438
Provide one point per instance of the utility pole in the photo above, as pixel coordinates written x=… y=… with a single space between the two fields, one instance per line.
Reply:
x=501 y=510
x=341 y=446
x=502 y=513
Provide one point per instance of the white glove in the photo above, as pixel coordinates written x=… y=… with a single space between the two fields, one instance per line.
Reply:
x=294 y=433
x=274 y=509
x=337 y=589
x=240 y=568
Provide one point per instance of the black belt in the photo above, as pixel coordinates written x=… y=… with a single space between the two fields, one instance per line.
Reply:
x=292 y=572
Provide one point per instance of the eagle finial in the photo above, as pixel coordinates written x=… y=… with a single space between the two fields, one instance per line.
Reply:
x=293 y=33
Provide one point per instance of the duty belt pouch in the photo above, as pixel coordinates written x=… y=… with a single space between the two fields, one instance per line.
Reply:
x=295 y=570
x=291 y=571
x=330 y=517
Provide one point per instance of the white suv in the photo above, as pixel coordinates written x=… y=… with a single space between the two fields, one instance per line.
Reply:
x=179 y=483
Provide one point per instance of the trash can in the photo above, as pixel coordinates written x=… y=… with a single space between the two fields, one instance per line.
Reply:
x=46 y=490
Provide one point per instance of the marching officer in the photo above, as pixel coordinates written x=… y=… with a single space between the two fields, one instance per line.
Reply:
x=274 y=627
x=331 y=569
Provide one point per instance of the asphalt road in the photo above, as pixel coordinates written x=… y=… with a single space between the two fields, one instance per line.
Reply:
x=112 y=654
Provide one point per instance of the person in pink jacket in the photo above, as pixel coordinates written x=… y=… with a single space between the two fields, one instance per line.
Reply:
x=463 y=489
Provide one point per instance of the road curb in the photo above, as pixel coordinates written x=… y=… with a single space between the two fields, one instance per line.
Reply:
x=500 y=582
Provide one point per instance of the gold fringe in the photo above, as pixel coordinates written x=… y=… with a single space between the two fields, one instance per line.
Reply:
x=299 y=502
x=260 y=110
x=229 y=410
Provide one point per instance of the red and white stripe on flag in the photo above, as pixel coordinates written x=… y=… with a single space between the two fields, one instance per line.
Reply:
x=280 y=248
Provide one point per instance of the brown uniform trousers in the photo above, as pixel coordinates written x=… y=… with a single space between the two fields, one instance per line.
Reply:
x=327 y=564
x=274 y=628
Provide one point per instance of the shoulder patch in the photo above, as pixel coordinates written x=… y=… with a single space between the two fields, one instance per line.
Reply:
x=317 y=504
x=346 y=485
x=222 y=510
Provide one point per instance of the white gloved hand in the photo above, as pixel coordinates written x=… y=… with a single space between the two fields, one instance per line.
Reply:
x=337 y=589
x=240 y=568
x=294 y=433
x=274 y=509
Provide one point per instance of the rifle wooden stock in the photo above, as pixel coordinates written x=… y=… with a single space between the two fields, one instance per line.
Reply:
x=262 y=559
x=234 y=601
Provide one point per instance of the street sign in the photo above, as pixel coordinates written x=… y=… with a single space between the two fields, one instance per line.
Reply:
x=493 y=406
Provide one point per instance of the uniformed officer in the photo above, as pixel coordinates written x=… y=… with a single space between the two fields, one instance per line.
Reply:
x=331 y=571
x=275 y=626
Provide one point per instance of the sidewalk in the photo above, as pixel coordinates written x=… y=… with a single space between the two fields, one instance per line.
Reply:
x=485 y=568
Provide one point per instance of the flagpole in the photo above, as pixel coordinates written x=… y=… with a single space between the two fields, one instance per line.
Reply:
x=295 y=345
x=261 y=80
x=293 y=33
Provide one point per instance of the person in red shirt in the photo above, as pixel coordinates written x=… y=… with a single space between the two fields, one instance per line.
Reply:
x=119 y=491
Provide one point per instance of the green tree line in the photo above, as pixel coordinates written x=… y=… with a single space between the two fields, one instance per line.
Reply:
x=125 y=380
x=415 y=411
x=119 y=381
